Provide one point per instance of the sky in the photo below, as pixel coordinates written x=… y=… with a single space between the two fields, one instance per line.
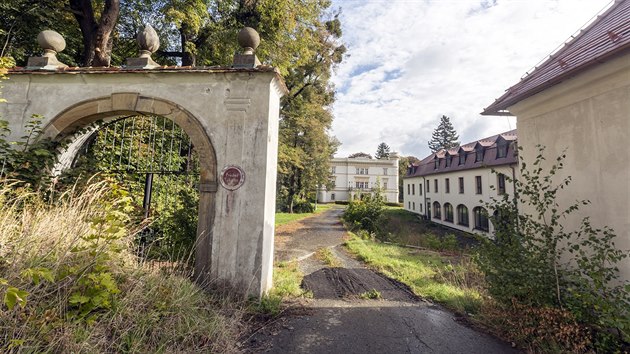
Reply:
x=411 y=61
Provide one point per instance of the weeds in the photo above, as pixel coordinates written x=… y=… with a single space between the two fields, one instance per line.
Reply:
x=325 y=255
x=83 y=288
x=371 y=295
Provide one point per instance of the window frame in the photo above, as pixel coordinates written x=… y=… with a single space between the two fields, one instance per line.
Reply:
x=478 y=185
x=462 y=211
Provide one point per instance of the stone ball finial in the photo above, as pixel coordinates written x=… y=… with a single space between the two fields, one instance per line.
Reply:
x=248 y=39
x=148 y=39
x=51 y=40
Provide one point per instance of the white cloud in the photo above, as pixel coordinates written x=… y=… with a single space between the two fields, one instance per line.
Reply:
x=412 y=61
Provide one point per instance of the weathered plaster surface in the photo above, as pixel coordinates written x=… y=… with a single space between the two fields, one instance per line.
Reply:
x=589 y=117
x=232 y=119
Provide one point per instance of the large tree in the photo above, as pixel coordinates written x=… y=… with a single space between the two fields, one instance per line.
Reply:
x=382 y=151
x=96 y=27
x=444 y=136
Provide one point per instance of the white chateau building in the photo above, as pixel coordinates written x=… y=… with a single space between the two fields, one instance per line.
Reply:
x=360 y=175
x=451 y=186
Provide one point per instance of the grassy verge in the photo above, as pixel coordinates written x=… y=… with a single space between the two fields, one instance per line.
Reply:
x=285 y=218
x=71 y=282
x=287 y=279
x=452 y=281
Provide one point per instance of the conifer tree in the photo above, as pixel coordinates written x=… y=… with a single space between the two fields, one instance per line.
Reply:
x=382 y=151
x=444 y=136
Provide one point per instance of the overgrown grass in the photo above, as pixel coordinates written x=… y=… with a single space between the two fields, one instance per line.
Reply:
x=287 y=279
x=406 y=228
x=325 y=255
x=82 y=289
x=454 y=282
x=285 y=218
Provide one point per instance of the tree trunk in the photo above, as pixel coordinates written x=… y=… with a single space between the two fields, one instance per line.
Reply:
x=97 y=39
x=188 y=58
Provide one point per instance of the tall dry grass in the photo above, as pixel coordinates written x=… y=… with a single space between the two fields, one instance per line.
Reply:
x=87 y=290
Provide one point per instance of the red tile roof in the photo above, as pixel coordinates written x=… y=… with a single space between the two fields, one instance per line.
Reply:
x=608 y=36
x=427 y=165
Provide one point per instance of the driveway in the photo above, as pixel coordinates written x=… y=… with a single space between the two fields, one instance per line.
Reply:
x=338 y=320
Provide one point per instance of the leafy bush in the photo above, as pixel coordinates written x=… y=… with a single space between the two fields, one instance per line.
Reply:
x=342 y=202
x=365 y=212
x=535 y=261
x=303 y=206
x=391 y=204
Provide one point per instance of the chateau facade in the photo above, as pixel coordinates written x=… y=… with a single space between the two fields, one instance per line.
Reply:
x=350 y=176
x=450 y=187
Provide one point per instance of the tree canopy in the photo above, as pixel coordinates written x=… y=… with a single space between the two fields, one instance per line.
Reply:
x=360 y=154
x=382 y=151
x=444 y=136
x=299 y=37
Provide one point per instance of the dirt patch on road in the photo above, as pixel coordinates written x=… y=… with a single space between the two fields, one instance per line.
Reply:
x=344 y=283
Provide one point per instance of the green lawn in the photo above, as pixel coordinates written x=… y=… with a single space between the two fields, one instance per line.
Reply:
x=285 y=218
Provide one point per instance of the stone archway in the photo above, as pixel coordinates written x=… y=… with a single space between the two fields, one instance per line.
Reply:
x=230 y=114
x=85 y=113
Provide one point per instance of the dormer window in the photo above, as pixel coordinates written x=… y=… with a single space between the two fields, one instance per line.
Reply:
x=449 y=160
x=436 y=163
x=502 y=150
x=479 y=154
x=462 y=157
x=502 y=147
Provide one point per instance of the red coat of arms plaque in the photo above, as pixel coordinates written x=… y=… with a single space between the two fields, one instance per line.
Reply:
x=232 y=177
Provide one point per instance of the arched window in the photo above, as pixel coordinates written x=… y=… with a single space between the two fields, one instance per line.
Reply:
x=481 y=219
x=462 y=215
x=437 y=211
x=448 y=212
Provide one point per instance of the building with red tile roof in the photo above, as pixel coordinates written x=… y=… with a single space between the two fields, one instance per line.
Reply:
x=577 y=102
x=450 y=187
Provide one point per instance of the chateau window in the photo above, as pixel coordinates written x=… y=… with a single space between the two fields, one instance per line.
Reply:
x=448 y=212
x=447 y=185
x=461 y=185
x=478 y=184
x=420 y=189
x=462 y=215
x=413 y=189
x=502 y=150
x=384 y=185
x=501 y=183
x=333 y=169
x=436 y=163
x=428 y=187
x=332 y=196
x=437 y=211
x=449 y=160
x=409 y=189
x=481 y=219
x=462 y=157
x=420 y=205
x=414 y=205
x=435 y=185
x=479 y=154
x=362 y=171
x=384 y=171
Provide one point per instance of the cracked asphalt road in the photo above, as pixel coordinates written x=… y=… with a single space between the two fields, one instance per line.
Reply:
x=336 y=320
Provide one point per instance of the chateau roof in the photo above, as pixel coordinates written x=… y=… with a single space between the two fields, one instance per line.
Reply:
x=427 y=165
x=606 y=37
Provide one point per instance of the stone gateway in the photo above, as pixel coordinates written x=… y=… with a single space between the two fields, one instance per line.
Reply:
x=231 y=116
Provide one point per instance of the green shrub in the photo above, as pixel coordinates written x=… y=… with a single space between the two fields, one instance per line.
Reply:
x=526 y=261
x=342 y=202
x=365 y=212
x=303 y=206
